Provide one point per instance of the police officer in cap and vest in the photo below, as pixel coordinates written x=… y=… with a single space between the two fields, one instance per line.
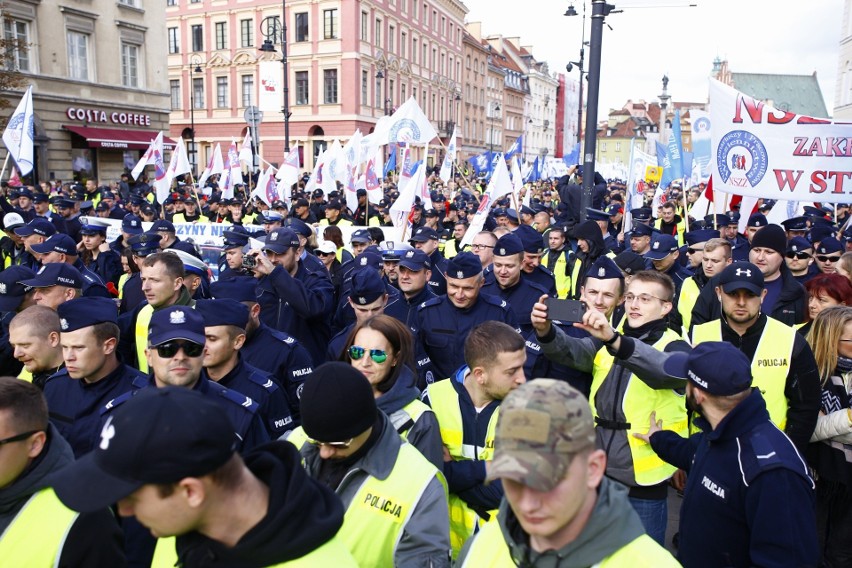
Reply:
x=231 y=261
x=225 y=322
x=640 y=238
x=396 y=503
x=61 y=248
x=441 y=322
x=560 y=509
x=93 y=373
x=36 y=529
x=167 y=457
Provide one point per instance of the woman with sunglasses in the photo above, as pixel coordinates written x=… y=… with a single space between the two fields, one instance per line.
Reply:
x=830 y=451
x=825 y=291
x=381 y=348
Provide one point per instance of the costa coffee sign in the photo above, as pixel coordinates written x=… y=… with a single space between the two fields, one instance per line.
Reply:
x=118 y=117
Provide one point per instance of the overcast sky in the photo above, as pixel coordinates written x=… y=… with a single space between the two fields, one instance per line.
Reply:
x=651 y=38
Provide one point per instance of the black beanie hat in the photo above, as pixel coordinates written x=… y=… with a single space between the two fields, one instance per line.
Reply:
x=771 y=237
x=337 y=403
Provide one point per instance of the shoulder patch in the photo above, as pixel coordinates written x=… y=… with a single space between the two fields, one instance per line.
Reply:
x=118 y=401
x=264 y=381
x=545 y=269
x=431 y=302
x=239 y=399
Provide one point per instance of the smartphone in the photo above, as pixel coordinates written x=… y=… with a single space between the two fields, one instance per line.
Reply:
x=249 y=261
x=565 y=310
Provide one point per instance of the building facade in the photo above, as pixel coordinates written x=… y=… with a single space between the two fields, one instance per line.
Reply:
x=99 y=83
x=349 y=64
x=843 y=85
x=476 y=80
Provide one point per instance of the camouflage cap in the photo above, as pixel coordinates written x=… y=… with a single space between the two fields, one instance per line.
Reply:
x=541 y=426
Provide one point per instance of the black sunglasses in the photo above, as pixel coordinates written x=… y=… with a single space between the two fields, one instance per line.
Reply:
x=824 y=258
x=19 y=437
x=799 y=255
x=693 y=250
x=320 y=253
x=169 y=349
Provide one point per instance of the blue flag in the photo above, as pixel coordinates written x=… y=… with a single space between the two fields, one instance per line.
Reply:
x=573 y=157
x=688 y=159
x=664 y=162
x=535 y=172
x=517 y=146
x=674 y=148
x=483 y=163
x=391 y=163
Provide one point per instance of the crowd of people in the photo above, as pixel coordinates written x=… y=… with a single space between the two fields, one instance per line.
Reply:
x=324 y=395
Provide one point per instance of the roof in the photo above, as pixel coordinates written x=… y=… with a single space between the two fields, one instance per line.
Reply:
x=794 y=93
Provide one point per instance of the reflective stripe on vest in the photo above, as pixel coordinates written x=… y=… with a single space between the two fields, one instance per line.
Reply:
x=638 y=403
x=464 y=521
x=406 y=417
x=36 y=535
x=332 y=553
x=143 y=320
x=770 y=365
x=376 y=517
x=489 y=548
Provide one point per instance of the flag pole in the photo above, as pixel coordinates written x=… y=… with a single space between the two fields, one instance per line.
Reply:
x=5 y=163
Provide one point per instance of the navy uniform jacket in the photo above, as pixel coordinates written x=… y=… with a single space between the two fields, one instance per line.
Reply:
x=521 y=297
x=540 y=366
x=75 y=405
x=131 y=295
x=93 y=284
x=749 y=500
x=441 y=329
x=740 y=249
x=437 y=282
x=107 y=266
x=274 y=408
x=411 y=305
x=280 y=355
x=242 y=411
x=72 y=227
x=345 y=314
x=542 y=276
x=9 y=366
x=335 y=346
x=300 y=306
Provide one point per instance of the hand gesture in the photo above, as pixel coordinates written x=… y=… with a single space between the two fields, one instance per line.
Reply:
x=656 y=426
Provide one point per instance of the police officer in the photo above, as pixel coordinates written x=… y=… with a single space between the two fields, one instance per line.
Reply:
x=370 y=260
x=271 y=220
x=54 y=284
x=35 y=232
x=728 y=229
x=368 y=297
x=415 y=269
x=196 y=274
x=97 y=254
x=170 y=241
x=333 y=215
x=796 y=227
x=130 y=225
x=545 y=457
x=602 y=219
x=36 y=529
x=466 y=406
x=68 y=208
x=556 y=260
x=41 y=207
x=224 y=327
x=749 y=499
x=294 y=298
x=267 y=349
x=34 y=337
x=531 y=266
x=93 y=374
x=396 y=504
x=141 y=246
x=231 y=261
x=692 y=286
x=508 y=284
x=59 y=248
x=14 y=298
x=304 y=232
x=426 y=239
x=442 y=322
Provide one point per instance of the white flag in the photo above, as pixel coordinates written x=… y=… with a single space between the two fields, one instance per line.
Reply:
x=500 y=183
x=449 y=158
x=313 y=180
x=402 y=206
x=149 y=157
x=215 y=166
x=518 y=182
x=18 y=136
x=407 y=124
x=245 y=150
x=352 y=149
x=288 y=173
x=266 y=188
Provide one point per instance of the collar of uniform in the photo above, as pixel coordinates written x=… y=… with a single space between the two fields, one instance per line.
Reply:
x=755 y=329
x=743 y=418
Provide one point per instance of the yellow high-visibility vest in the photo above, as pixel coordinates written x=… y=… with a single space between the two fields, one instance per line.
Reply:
x=36 y=535
x=143 y=320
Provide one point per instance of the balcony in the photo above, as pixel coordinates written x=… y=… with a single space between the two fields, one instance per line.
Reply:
x=445 y=128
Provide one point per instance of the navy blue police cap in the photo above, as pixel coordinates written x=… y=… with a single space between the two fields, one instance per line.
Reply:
x=423 y=234
x=369 y=258
x=223 y=311
x=415 y=260
x=60 y=242
x=55 y=274
x=796 y=224
x=176 y=322
x=596 y=214
x=12 y=292
x=700 y=236
x=530 y=238
x=367 y=287
x=144 y=244
x=85 y=312
x=464 y=265
x=299 y=226
x=641 y=230
x=661 y=246
x=360 y=236
x=163 y=225
x=235 y=239
x=239 y=288
x=757 y=220
x=719 y=219
x=716 y=367
x=604 y=268
x=798 y=244
x=829 y=245
x=38 y=226
x=508 y=245
x=131 y=224
x=281 y=239
x=821 y=232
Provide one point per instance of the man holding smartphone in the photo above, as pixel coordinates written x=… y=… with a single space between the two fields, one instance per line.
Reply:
x=621 y=402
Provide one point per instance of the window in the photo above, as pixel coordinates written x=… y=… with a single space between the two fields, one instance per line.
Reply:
x=330 y=83
x=377 y=36
x=220 y=35
x=603 y=146
x=194 y=1
x=131 y=3
x=365 y=82
x=403 y=43
x=302 y=26
x=402 y=97
x=78 y=55
x=364 y=31
x=390 y=92
x=435 y=20
x=329 y=26
x=174 y=89
x=17 y=31
x=618 y=146
x=247 y=84
x=198 y=93
x=174 y=40
x=378 y=91
x=302 y=87
x=129 y=65
x=391 y=37
x=197 y=32
x=222 y=92
x=246 y=33
x=171 y=2
x=443 y=25
x=414 y=50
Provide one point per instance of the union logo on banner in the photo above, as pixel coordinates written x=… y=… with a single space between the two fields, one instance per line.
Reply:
x=404 y=130
x=741 y=159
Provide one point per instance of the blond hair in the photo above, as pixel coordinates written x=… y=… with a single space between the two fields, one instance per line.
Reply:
x=824 y=338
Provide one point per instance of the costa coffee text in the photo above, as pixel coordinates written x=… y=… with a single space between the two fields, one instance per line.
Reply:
x=117 y=117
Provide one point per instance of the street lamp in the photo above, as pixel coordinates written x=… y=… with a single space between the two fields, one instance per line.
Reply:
x=494 y=110
x=194 y=67
x=271 y=28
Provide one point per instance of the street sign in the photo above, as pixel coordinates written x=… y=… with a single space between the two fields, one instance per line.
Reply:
x=253 y=116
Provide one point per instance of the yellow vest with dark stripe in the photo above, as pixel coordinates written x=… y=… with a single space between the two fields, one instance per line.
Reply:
x=464 y=521
x=35 y=537
x=769 y=366
x=489 y=549
x=638 y=403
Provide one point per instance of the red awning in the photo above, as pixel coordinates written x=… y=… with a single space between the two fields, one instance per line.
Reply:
x=118 y=139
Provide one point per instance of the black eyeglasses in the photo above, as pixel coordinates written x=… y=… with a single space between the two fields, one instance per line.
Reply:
x=377 y=355
x=799 y=255
x=18 y=438
x=169 y=349
x=320 y=253
x=824 y=258
x=694 y=250
x=477 y=247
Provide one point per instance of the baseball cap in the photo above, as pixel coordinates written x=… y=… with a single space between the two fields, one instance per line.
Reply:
x=144 y=244
x=757 y=220
x=280 y=239
x=542 y=425
x=176 y=322
x=464 y=265
x=163 y=225
x=59 y=242
x=423 y=234
x=159 y=436
x=360 y=236
x=131 y=224
x=12 y=292
x=12 y=221
x=223 y=311
x=641 y=230
x=327 y=247
x=713 y=366
x=629 y=262
x=55 y=274
x=415 y=260
x=741 y=276
x=369 y=258
x=604 y=268
x=239 y=288
x=799 y=244
x=367 y=287
x=614 y=209
x=299 y=226
x=530 y=239
x=38 y=226
x=828 y=245
x=508 y=245
x=84 y=312
x=661 y=246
